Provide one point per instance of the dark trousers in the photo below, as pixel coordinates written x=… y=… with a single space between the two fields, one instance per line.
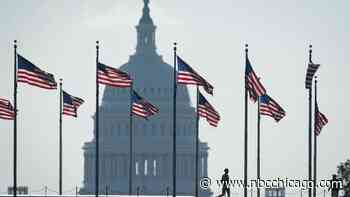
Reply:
x=225 y=190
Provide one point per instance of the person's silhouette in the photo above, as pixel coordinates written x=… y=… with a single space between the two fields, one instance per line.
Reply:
x=225 y=182
x=334 y=186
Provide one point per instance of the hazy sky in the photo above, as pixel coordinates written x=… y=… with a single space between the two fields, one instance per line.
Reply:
x=60 y=36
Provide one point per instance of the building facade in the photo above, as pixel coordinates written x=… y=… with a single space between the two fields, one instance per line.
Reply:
x=152 y=150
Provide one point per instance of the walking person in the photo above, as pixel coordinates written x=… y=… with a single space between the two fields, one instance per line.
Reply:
x=225 y=182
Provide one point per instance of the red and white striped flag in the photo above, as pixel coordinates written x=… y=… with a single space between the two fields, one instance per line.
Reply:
x=186 y=75
x=320 y=120
x=30 y=74
x=270 y=107
x=207 y=111
x=310 y=73
x=7 y=111
x=71 y=104
x=141 y=107
x=252 y=82
x=112 y=77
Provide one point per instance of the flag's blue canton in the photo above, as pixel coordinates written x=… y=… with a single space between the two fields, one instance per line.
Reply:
x=183 y=66
x=206 y=110
x=136 y=98
x=67 y=98
x=186 y=75
x=141 y=107
x=269 y=107
x=32 y=75
x=252 y=82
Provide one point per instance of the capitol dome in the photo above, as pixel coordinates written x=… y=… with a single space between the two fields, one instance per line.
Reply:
x=152 y=138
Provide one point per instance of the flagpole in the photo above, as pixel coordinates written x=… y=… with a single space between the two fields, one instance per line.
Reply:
x=174 y=122
x=258 y=149
x=97 y=125
x=131 y=144
x=310 y=125
x=197 y=146
x=60 y=141
x=315 y=141
x=15 y=121
x=246 y=130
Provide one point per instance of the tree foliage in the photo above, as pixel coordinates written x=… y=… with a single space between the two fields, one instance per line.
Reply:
x=344 y=174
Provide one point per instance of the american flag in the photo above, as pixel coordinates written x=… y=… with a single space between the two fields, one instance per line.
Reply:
x=7 y=111
x=30 y=74
x=186 y=75
x=310 y=72
x=112 y=76
x=71 y=104
x=269 y=107
x=320 y=120
x=253 y=84
x=207 y=111
x=141 y=107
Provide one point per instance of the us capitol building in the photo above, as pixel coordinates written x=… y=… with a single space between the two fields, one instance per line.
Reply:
x=152 y=167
